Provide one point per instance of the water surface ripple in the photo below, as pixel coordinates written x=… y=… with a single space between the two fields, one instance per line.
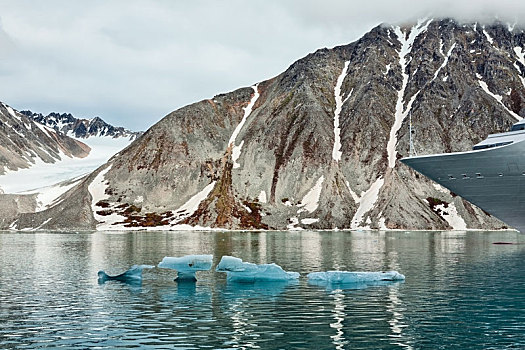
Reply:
x=461 y=291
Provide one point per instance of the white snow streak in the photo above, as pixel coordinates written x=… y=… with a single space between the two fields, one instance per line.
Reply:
x=97 y=189
x=336 y=152
x=354 y=195
x=12 y=112
x=450 y=214
x=309 y=221
x=366 y=202
x=45 y=222
x=48 y=196
x=498 y=98
x=521 y=58
x=13 y=225
x=489 y=38
x=310 y=201
x=521 y=54
x=188 y=208
x=236 y=151
x=446 y=59
x=401 y=113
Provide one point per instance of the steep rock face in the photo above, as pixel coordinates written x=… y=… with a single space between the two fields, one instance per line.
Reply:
x=81 y=127
x=318 y=146
x=24 y=141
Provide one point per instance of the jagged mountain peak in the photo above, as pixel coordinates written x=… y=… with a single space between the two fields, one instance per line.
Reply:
x=81 y=127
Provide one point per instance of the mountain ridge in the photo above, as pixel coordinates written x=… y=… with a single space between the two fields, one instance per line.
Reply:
x=81 y=127
x=318 y=145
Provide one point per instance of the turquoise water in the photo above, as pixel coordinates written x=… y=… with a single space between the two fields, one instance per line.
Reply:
x=461 y=291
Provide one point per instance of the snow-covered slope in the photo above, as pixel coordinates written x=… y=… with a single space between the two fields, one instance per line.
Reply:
x=42 y=174
x=24 y=142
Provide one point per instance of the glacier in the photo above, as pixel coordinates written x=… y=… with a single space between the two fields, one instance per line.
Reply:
x=187 y=265
x=133 y=275
x=239 y=271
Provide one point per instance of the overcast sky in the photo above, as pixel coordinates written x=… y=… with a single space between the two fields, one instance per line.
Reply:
x=132 y=62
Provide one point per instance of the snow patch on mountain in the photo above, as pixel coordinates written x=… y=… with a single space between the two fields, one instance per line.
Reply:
x=450 y=214
x=489 y=38
x=336 y=152
x=355 y=197
x=366 y=202
x=236 y=150
x=97 y=189
x=262 y=197
x=447 y=56
x=521 y=58
x=498 y=98
x=188 y=208
x=401 y=112
x=310 y=201
x=49 y=196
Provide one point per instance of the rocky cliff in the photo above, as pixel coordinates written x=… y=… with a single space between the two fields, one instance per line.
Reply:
x=319 y=145
x=81 y=127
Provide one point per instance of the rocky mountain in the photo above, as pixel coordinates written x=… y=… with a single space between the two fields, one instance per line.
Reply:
x=317 y=146
x=24 y=142
x=81 y=127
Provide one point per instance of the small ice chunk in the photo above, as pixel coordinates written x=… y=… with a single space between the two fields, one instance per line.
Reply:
x=354 y=277
x=187 y=265
x=239 y=271
x=133 y=275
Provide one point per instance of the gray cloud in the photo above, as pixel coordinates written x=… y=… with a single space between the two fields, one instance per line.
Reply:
x=132 y=62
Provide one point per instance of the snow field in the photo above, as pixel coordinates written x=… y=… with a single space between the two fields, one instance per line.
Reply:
x=42 y=174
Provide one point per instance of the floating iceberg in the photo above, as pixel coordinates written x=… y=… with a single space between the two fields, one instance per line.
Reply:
x=133 y=275
x=186 y=266
x=342 y=277
x=239 y=271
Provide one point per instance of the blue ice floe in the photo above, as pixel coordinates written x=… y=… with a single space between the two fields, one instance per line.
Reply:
x=239 y=271
x=187 y=266
x=348 y=277
x=133 y=275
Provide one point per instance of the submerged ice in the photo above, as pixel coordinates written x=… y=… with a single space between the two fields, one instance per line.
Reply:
x=133 y=275
x=186 y=266
x=239 y=271
x=354 y=277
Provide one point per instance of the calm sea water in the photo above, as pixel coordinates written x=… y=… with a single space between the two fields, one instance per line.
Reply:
x=461 y=291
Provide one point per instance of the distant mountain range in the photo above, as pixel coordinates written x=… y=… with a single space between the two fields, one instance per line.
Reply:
x=80 y=127
x=23 y=141
x=318 y=145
